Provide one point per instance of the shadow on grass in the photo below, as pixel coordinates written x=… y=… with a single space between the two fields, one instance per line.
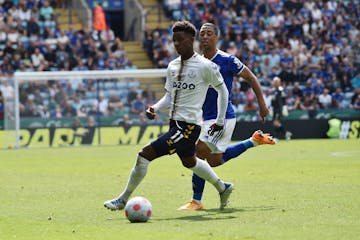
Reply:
x=216 y=214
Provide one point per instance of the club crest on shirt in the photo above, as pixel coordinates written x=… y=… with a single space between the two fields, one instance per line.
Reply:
x=191 y=74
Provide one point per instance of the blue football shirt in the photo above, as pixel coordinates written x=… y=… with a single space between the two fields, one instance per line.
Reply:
x=230 y=66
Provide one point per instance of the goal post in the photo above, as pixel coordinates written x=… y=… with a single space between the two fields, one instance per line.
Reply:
x=95 y=83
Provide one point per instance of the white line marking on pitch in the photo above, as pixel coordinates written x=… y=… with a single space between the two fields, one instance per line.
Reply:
x=346 y=154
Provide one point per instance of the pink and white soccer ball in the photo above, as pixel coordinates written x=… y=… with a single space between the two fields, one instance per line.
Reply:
x=138 y=209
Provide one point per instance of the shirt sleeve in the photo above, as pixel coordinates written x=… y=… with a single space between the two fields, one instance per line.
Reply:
x=217 y=81
x=236 y=65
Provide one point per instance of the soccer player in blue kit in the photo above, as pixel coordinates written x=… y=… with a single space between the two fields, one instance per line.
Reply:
x=215 y=149
x=188 y=78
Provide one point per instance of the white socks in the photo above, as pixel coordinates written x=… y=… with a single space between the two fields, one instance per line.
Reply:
x=255 y=143
x=136 y=176
x=204 y=170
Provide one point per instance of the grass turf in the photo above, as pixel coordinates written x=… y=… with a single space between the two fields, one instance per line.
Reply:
x=299 y=189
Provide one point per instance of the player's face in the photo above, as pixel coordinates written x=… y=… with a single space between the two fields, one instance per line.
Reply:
x=208 y=38
x=183 y=43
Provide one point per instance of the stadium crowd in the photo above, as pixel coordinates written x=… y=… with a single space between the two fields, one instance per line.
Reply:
x=313 y=46
x=31 y=40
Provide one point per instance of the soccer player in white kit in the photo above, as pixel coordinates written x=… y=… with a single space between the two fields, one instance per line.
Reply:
x=188 y=78
x=215 y=148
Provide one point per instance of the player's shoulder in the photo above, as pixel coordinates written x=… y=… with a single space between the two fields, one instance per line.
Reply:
x=225 y=57
x=199 y=57
x=175 y=61
x=206 y=63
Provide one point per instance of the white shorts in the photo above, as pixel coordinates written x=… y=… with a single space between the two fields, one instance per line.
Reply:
x=221 y=139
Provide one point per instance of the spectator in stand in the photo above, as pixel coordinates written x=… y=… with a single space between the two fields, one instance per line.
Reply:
x=325 y=99
x=141 y=120
x=338 y=98
x=37 y=58
x=99 y=19
x=107 y=35
x=129 y=65
x=292 y=101
x=44 y=111
x=24 y=12
x=7 y=90
x=68 y=110
x=250 y=106
x=354 y=98
x=46 y=11
x=237 y=99
x=356 y=104
x=265 y=67
x=102 y=104
x=149 y=95
x=356 y=81
x=1 y=107
x=138 y=105
x=8 y=49
x=132 y=95
x=94 y=110
x=318 y=88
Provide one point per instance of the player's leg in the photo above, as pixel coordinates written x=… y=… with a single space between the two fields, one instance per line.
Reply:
x=137 y=174
x=207 y=148
x=150 y=152
x=216 y=151
x=236 y=149
x=204 y=171
x=185 y=148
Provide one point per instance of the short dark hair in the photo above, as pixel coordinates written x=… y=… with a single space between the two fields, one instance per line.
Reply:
x=213 y=26
x=184 y=26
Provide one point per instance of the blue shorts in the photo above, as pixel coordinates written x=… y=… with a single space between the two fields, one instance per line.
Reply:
x=181 y=139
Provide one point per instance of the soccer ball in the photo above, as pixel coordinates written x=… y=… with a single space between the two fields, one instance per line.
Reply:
x=138 y=209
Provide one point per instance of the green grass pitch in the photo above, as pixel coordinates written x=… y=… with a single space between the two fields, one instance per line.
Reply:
x=298 y=189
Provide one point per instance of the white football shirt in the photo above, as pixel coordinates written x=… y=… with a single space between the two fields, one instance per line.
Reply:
x=187 y=83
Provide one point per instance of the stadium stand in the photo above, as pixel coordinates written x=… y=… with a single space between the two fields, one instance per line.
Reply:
x=298 y=41
x=311 y=45
x=32 y=40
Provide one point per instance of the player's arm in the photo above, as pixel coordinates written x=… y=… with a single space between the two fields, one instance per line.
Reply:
x=164 y=102
x=250 y=77
x=217 y=82
x=222 y=102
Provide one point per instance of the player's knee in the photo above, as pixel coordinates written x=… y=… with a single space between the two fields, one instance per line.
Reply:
x=148 y=152
x=188 y=162
x=202 y=151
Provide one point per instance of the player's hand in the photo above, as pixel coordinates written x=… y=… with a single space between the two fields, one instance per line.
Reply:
x=264 y=111
x=214 y=128
x=150 y=113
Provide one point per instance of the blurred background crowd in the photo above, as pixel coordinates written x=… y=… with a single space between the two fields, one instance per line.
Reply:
x=313 y=46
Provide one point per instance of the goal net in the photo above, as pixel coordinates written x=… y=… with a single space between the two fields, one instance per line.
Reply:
x=70 y=108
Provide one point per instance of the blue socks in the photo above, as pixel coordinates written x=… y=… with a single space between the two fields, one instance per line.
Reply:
x=236 y=149
x=198 y=185
x=232 y=151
